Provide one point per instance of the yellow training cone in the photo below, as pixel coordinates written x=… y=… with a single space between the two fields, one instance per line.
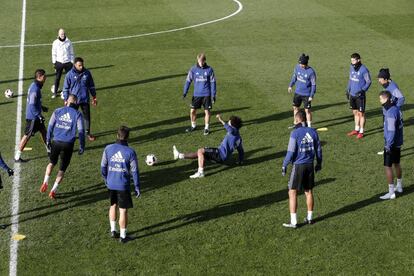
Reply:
x=18 y=237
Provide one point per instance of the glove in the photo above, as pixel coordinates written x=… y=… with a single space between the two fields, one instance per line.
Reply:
x=214 y=99
x=54 y=65
x=387 y=149
x=94 y=101
x=137 y=194
x=42 y=119
x=283 y=171
x=347 y=95
x=81 y=151
x=49 y=146
x=318 y=167
x=360 y=94
x=45 y=109
x=10 y=172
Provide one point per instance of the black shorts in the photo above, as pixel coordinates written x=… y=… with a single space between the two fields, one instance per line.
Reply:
x=64 y=150
x=198 y=102
x=302 y=177
x=212 y=154
x=33 y=126
x=298 y=99
x=357 y=103
x=121 y=198
x=392 y=157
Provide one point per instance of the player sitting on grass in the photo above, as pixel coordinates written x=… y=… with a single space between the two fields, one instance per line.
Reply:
x=4 y=166
x=231 y=141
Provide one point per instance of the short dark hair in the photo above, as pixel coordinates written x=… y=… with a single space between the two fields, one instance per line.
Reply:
x=38 y=73
x=301 y=115
x=355 y=56
x=78 y=59
x=236 y=122
x=123 y=133
x=386 y=94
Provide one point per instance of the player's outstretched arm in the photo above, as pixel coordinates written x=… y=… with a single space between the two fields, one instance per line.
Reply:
x=135 y=173
x=218 y=116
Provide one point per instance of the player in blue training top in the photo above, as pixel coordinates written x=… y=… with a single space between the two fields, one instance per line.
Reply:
x=34 y=119
x=61 y=136
x=231 y=141
x=358 y=84
x=304 y=78
x=4 y=166
x=204 y=91
x=393 y=139
x=303 y=147
x=119 y=164
x=79 y=82
x=397 y=98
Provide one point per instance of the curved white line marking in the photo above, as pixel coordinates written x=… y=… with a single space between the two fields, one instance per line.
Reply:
x=239 y=9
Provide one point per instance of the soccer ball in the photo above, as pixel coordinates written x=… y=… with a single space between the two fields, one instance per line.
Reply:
x=151 y=160
x=8 y=93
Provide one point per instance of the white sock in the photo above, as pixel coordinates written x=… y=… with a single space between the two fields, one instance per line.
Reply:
x=122 y=234
x=201 y=170
x=391 y=188
x=193 y=124
x=293 y=219
x=46 y=180
x=17 y=155
x=310 y=213
x=309 y=123
x=206 y=126
x=181 y=156
x=361 y=130
x=399 y=182
x=55 y=187
x=357 y=128
x=113 y=225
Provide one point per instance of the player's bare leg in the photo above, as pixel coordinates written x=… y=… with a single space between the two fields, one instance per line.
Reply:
x=292 y=209
x=309 y=204
x=58 y=180
x=123 y=221
x=112 y=221
x=207 y=115
x=398 y=173
x=308 y=117
x=193 y=118
x=23 y=142
x=356 y=120
x=48 y=172
x=390 y=179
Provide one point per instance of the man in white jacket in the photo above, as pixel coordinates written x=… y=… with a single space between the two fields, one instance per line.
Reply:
x=62 y=58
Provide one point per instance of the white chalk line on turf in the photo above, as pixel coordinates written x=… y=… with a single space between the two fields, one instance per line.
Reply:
x=239 y=9
x=16 y=179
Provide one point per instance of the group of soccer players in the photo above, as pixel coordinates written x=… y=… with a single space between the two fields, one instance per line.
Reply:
x=304 y=145
x=119 y=162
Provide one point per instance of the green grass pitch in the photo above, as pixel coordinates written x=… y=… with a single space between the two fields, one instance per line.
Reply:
x=230 y=222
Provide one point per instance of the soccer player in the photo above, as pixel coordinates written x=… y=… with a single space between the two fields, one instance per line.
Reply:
x=4 y=166
x=62 y=58
x=358 y=84
x=119 y=163
x=231 y=141
x=61 y=136
x=79 y=82
x=34 y=119
x=393 y=138
x=384 y=78
x=204 y=91
x=304 y=77
x=303 y=147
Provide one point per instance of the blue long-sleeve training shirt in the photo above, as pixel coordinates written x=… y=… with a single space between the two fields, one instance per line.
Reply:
x=79 y=84
x=3 y=164
x=119 y=163
x=305 y=81
x=393 y=126
x=34 y=101
x=204 y=81
x=231 y=141
x=359 y=80
x=397 y=97
x=63 y=125
x=304 y=146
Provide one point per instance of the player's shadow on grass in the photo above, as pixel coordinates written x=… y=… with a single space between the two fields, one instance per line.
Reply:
x=138 y=82
x=3 y=103
x=223 y=210
x=65 y=201
x=159 y=178
x=361 y=204
x=168 y=122
x=287 y=114
x=53 y=74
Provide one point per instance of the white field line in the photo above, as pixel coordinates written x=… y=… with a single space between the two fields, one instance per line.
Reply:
x=16 y=179
x=239 y=9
